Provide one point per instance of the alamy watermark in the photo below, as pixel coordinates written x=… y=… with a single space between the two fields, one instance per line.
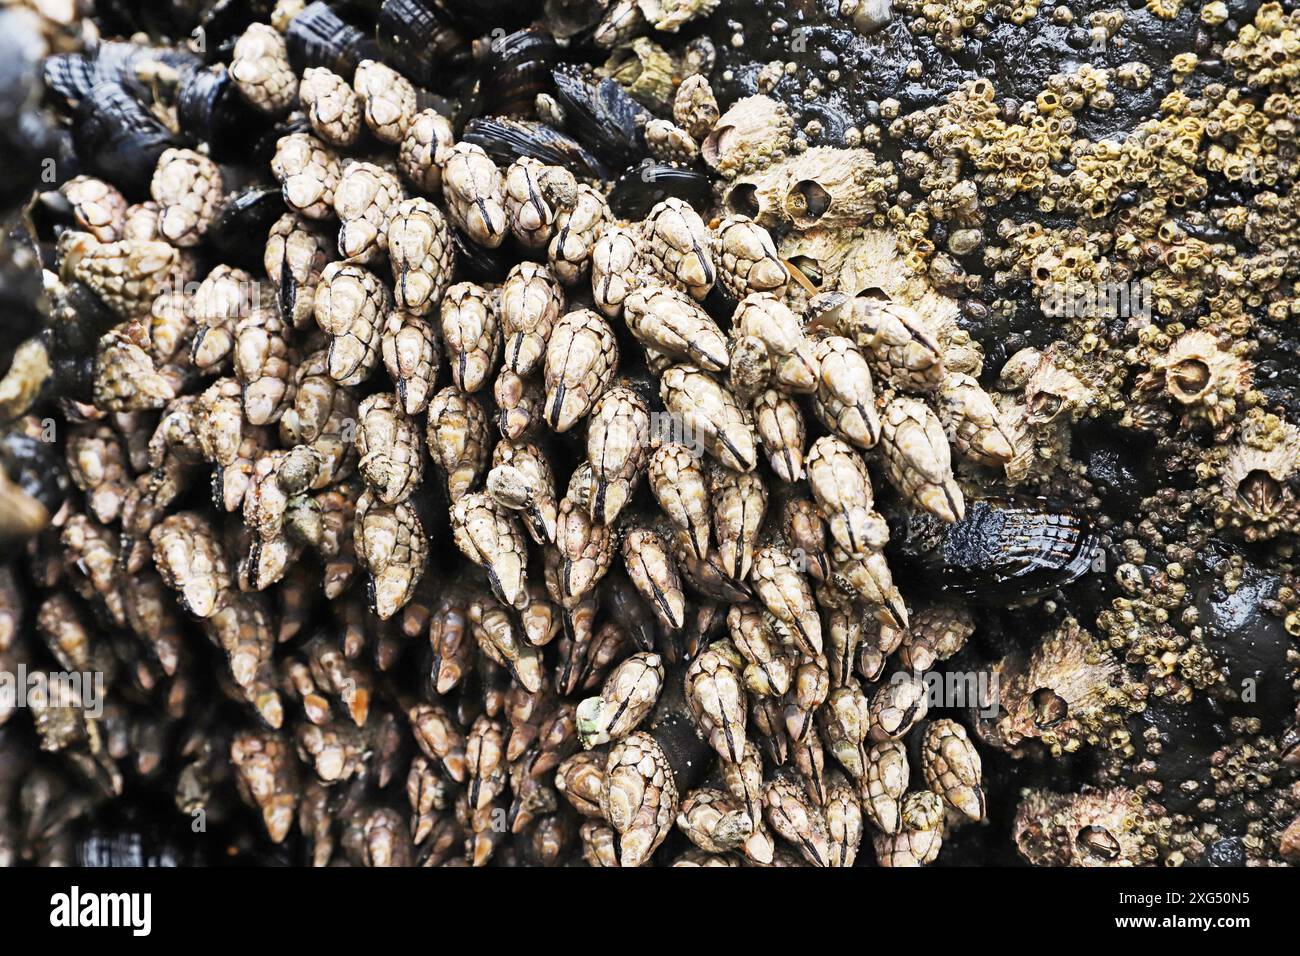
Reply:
x=83 y=690
x=973 y=690
x=1096 y=300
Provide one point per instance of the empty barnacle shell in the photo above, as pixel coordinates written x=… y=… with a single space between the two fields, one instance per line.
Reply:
x=1258 y=480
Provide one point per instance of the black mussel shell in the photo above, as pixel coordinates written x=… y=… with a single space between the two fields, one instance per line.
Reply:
x=506 y=140
x=515 y=68
x=74 y=75
x=474 y=263
x=36 y=467
x=485 y=16
x=644 y=185
x=419 y=41
x=1002 y=550
x=320 y=37
x=211 y=111
x=239 y=232
x=118 y=139
x=601 y=115
x=225 y=21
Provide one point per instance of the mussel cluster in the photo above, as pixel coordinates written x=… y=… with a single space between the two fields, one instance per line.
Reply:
x=428 y=445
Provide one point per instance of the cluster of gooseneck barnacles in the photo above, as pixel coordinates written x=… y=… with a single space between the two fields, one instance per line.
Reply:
x=623 y=489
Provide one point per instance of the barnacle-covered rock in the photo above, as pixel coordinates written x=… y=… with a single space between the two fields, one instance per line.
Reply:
x=752 y=134
x=1090 y=828
x=1257 y=485
x=824 y=187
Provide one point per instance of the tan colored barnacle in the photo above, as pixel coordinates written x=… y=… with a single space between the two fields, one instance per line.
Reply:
x=901 y=344
x=222 y=299
x=805 y=531
x=392 y=452
x=898 y=706
x=188 y=189
x=710 y=414
x=260 y=68
x=638 y=797
x=935 y=632
x=651 y=568
x=1259 y=477
x=323 y=415
x=296 y=255
x=501 y=640
x=678 y=484
x=884 y=784
x=780 y=427
x=458 y=439
x=531 y=303
x=615 y=267
x=676 y=245
x=125 y=377
x=471 y=331
x=581 y=358
x=389 y=100
x=917 y=459
x=576 y=230
x=351 y=306
x=715 y=693
x=98 y=466
x=845 y=402
x=333 y=106
x=583 y=552
x=521 y=480
x=128 y=275
x=364 y=201
x=393 y=547
x=791 y=813
x=747 y=258
x=920 y=837
x=842 y=488
x=781 y=585
x=628 y=696
x=950 y=765
x=739 y=504
x=489 y=535
x=97 y=206
x=1204 y=377
x=519 y=403
x=791 y=357
x=423 y=150
x=422 y=254
x=262 y=366
x=618 y=439
x=412 y=357
x=972 y=422
x=191 y=561
x=753 y=132
x=695 y=109
x=308 y=174
x=534 y=194
x=266 y=771
x=670 y=321
x=475 y=194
